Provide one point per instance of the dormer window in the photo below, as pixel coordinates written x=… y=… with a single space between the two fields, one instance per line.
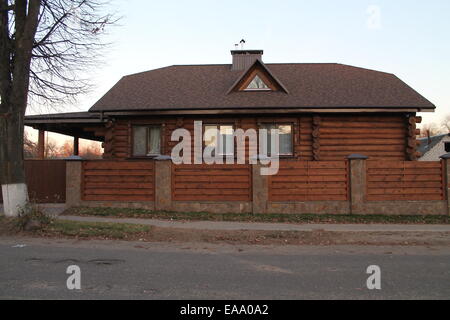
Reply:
x=257 y=84
x=257 y=78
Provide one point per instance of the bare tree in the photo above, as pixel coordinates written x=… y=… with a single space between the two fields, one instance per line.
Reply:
x=30 y=147
x=429 y=129
x=45 y=47
x=446 y=124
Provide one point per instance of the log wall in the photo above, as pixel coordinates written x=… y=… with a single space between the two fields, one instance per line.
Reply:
x=316 y=137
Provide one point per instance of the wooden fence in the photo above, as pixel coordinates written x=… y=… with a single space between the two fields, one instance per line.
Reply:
x=211 y=183
x=118 y=181
x=46 y=181
x=405 y=180
x=310 y=181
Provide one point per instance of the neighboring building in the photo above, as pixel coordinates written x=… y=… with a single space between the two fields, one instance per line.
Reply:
x=432 y=148
x=325 y=111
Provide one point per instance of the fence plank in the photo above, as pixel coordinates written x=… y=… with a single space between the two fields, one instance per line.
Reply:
x=211 y=183
x=118 y=181
x=310 y=181
x=46 y=181
x=404 y=180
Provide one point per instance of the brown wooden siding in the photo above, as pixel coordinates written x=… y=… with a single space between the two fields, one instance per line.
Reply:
x=326 y=138
x=46 y=181
x=378 y=137
x=310 y=181
x=405 y=180
x=118 y=181
x=211 y=183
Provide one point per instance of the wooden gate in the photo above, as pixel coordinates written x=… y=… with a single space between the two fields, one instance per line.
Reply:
x=46 y=180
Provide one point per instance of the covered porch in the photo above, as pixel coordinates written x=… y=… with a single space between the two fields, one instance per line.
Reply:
x=80 y=125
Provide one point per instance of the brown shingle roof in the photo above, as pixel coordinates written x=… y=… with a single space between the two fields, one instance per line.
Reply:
x=193 y=87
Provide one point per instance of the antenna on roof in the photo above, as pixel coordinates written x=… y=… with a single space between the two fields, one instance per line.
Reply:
x=242 y=44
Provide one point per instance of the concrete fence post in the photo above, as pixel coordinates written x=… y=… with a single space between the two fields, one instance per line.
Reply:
x=73 y=181
x=446 y=159
x=260 y=186
x=357 y=183
x=163 y=183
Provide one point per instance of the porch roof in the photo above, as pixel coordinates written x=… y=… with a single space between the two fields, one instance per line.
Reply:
x=76 y=124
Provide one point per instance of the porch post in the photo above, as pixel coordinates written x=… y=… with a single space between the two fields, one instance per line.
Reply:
x=41 y=145
x=76 y=146
x=446 y=161
x=357 y=183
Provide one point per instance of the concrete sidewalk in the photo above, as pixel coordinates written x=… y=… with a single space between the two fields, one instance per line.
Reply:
x=224 y=225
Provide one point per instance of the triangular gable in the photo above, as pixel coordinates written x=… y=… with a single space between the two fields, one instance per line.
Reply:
x=257 y=78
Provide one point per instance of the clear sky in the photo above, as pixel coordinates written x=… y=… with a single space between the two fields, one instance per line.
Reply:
x=408 y=38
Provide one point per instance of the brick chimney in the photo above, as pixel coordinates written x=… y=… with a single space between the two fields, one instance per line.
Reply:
x=243 y=59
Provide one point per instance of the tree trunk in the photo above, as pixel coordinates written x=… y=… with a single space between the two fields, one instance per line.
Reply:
x=12 y=173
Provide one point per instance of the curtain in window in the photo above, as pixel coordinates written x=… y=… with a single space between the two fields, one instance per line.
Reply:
x=227 y=142
x=154 y=140
x=285 y=140
x=139 y=141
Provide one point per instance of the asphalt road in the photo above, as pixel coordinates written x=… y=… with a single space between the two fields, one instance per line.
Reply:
x=119 y=270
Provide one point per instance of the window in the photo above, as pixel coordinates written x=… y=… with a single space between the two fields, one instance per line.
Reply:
x=224 y=140
x=285 y=139
x=146 y=141
x=257 y=84
x=447 y=147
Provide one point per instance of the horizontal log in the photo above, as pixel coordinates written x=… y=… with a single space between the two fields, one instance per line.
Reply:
x=368 y=130
x=362 y=148
x=348 y=124
x=361 y=142
x=368 y=135
x=370 y=119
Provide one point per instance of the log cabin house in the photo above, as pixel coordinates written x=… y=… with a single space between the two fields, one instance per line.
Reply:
x=331 y=117
x=325 y=111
